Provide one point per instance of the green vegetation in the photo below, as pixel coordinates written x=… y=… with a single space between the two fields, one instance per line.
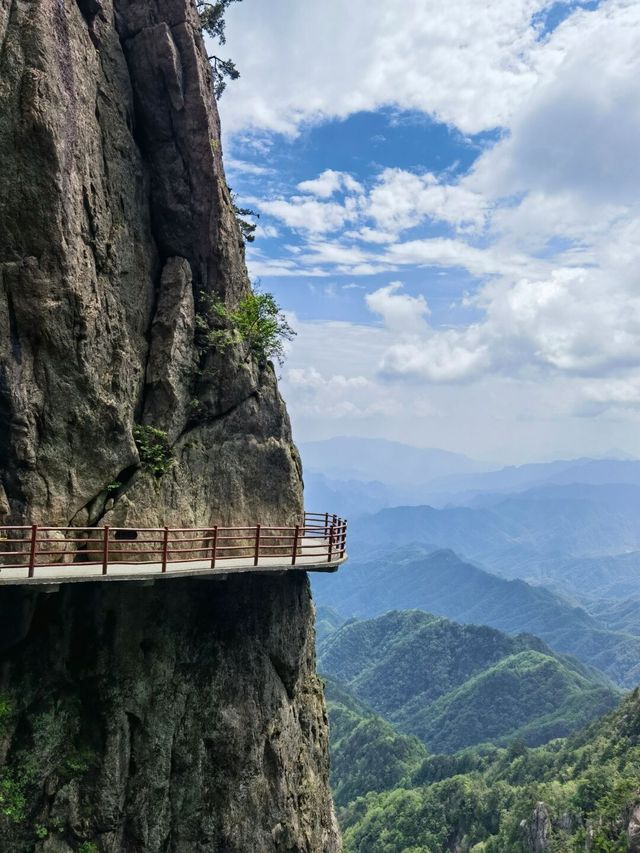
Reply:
x=5 y=713
x=486 y=695
x=586 y=787
x=154 y=449
x=257 y=324
x=367 y=754
x=247 y=229
x=47 y=748
x=328 y=620
x=213 y=24
x=455 y=686
x=440 y=582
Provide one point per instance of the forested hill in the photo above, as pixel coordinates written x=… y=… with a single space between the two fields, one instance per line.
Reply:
x=456 y=686
x=441 y=583
x=576 y=794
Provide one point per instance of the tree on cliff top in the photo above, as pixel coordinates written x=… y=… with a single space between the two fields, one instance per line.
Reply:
x=213 y=23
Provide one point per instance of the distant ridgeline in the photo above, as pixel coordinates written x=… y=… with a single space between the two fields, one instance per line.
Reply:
x=440 y=582
x=455 y=686
x=472 y=688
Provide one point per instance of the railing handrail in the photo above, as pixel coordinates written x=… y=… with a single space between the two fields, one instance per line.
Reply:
x=321 y=536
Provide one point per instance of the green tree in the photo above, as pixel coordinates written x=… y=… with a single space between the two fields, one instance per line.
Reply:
x=213 y=23
x=247 y=229
x=257 y=323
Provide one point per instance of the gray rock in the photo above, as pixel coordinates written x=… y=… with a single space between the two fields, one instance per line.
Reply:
x=537 y=831
x=113 y=197
x=184 y=717
x=633 y=830
x=187 y=716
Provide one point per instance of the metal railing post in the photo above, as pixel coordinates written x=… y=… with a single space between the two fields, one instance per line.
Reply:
x=214 y=545
x=105 y=549
x=326 y=524
x=32 y=550
x=257 y=554
x=296 y=537
x=330 y=555
x=165 y=548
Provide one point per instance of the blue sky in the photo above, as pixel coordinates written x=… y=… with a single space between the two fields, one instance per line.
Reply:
x=449 y=212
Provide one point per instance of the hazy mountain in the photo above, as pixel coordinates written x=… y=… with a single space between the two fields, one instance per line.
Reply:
x=373 y=473
x=580 y=538
x=454 y=686
x=516 y=478
x=617 y=615
x=441 y=583
x=347 y=498
x=389 y=462
x=328 y=620
x=586 y=578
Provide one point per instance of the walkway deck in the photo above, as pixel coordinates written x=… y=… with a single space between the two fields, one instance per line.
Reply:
x=49 y=556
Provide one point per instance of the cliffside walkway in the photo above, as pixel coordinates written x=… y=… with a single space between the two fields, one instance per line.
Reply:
x=44 y=555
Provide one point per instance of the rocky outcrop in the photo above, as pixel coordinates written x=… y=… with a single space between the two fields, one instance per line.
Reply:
x=633 y=830
x=115 y=219
x=185 y=722
x=185 y=716
x=537 y=831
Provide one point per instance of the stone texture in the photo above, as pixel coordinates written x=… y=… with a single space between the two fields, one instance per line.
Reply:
x=538 y=830
x=633 y=830
x=190 y=721
x=112 y=197
x=185 y=716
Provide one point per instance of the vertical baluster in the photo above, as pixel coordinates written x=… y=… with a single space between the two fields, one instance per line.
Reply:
x=165 y=548
x=105 y=549
x=257 y=554
x=32 y=550
x=214 y=545
x=296 y=537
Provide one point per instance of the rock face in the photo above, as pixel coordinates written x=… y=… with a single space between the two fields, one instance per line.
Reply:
x=115 y=219
x=186 y=716
x=184 y=722
x=633 y=830
x=537 y=831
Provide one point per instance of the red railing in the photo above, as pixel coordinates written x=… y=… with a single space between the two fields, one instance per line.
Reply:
x=320 y=538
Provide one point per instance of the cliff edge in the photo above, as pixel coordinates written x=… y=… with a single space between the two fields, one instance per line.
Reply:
x=185 y=716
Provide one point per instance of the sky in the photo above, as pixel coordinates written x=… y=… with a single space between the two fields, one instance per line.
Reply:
x=449 y=199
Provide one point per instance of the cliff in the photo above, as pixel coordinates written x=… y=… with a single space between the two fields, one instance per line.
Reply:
x=115 y=219
x=142 y=720
x=185 y=716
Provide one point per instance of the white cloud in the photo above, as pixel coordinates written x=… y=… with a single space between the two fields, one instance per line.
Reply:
x=307 y=214
x=328 y=183
x=402 y=199
x=494 y=417
x=400 y=312
x=243 y=166
x=578 y=131
x=467 y=63
x=547 y=222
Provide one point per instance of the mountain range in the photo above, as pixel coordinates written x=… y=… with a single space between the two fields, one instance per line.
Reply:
x=455 y=686
x=441 y=583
